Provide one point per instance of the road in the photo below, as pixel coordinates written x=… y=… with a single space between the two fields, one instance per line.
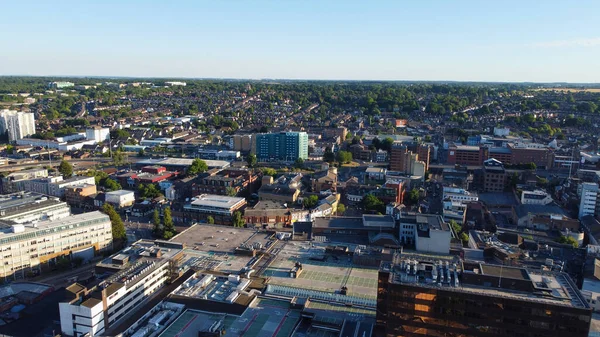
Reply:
x=59 y=280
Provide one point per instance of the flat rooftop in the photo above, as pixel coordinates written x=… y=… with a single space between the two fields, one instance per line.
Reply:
x=216 y=201
x=338 y=222
x=183 y=162
x=73 y=220
x=120 y=192
x=550 y=288
x=378 y=221
x=219 y=239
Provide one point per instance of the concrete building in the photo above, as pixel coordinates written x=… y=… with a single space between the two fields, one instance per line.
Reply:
x=241 y=143
x=33 y=247
x=414 y=291
x=459 y=195
x=120 y=198
x=137 y=273
x=97 y=134
x=75 y=195
x=536 y=197
x=588 y=195
x=285 y=146
x=17 y=124
x=220 y=208
x=427 y=232
x=56 y=185
x=30 y=208
x=494 y=176
x=15 y=181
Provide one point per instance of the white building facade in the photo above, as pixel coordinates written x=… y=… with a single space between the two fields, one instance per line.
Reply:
x=18 y=124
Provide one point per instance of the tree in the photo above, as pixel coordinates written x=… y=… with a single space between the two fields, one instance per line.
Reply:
x=267 y=171
x=310 y=202
x=238 y=219
x=210 y=220
x=341 y=209
x=372 y=203
x=230 y=191
x=65 y=169
x=568 y=240
x=141 y=153
x=157 y=230
x=149 y=191
x=299 y=163
x=111 y=185
x=329 y=156
x=413 y=196
x=455 y=226
x=344 y=157
x=118 y=158
x=251 y=160
x=387 y=144
x=464 y=237
x=118 y=228
x=168 y=224
x=198 y=166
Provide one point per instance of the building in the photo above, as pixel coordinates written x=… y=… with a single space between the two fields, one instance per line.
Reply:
x=76 y=195
x=60 y=85
x=181 y=164
x=55 y=186
x=400 y=159
x=285 y=146
x=494 y=176
x=325 y=180
x=426 y=232
x=30 y=208
x=284 y=189
x=459 y=195
x=588 y=196
x=268 y=213
x=17 y=124
x=97 y=134
x=223 y=182
x=330 y=133
x=539 y=154
x=120 y=198
x=501 y=132
x=32 y=247
x=241 y=143
x=15 y=181
x=421 y=296
x=175 y=83
x=136 y=273
x=220 y=208
x=536 y=197
x=467 y=155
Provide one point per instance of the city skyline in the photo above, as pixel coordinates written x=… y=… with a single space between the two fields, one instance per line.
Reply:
x=435 y=41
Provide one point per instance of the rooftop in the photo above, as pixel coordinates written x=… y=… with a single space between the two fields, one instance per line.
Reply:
x=216 y=201
x=427 y=221
x=551 y=288
x=120 y=192
x=182 y=162
x=8 y=234
x=370 y=220
x=338 y=222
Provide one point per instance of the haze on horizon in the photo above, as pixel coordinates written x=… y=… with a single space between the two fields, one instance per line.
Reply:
x=512 y=41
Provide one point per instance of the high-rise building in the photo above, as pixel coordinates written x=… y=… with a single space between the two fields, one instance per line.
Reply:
x=588 y=196
x=18 y=124
x=429 y=296
x=97 y=134
x=288 y=146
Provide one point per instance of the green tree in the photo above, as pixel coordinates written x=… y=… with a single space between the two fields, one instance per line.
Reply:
x=141 y=153
x=455 y=226
x=413 y=196
x=198 y=166
x=118 y=158
x=310 y=201
x=210 y=220
x=267 y=171
x=372 y=203
x=464 y=237
x=329 y=156
x=568 y=240
x=168 y=224
x=149 y=191
x=238 y=219
x=111 y=185
x=344 y=157
x=157 y=230
x=299 y=163
x=341 y=209
x=118 y=228
x=251 y=160
x=65 y=169
x=230 y=191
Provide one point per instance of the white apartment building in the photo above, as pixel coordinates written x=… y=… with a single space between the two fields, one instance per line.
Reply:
x=138 y=272
x=30 y=208
x=54 y=186
x=97 y=134
x=588 y=196
x=30 y=247
x=18 y=124
x=15 y=181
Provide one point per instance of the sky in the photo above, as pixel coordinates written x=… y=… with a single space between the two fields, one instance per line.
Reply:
x=484 y=40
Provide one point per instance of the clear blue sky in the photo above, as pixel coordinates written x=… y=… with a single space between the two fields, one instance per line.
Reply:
x=484 y=40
